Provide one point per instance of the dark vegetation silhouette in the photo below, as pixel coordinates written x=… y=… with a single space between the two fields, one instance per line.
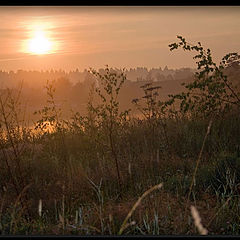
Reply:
x=82 y=172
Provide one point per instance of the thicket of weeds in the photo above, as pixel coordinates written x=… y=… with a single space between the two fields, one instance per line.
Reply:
x=101 y=173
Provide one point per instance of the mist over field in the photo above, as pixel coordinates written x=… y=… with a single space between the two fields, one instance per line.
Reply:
x=73 y=88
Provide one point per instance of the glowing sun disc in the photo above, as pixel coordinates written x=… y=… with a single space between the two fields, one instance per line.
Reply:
x=40 y=44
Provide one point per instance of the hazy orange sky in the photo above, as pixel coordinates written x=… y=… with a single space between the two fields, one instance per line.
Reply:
x=84 y=37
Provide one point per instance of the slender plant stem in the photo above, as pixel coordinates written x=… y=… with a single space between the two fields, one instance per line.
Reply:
x=197 y=164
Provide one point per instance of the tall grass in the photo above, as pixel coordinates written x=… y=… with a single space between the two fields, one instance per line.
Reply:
x=69 y=184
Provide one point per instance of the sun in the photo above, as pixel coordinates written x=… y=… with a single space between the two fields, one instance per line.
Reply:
x=39 y=44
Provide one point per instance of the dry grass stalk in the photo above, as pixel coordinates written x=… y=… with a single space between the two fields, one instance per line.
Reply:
x=219 y=211
x=129 y=224
x=129 y=169
x=197 y=164
x=76 y=217
x=125 y=225
x=197 y=221
x=40 y=208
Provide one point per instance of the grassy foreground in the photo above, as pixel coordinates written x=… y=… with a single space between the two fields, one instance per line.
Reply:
x=65 y=181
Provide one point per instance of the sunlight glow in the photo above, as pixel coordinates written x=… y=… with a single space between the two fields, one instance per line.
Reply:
x=40 y=44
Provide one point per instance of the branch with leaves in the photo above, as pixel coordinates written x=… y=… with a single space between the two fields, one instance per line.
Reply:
x=211 y=92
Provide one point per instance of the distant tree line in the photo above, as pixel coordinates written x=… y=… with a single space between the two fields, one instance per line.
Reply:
x=73 y=88
x=38 y=79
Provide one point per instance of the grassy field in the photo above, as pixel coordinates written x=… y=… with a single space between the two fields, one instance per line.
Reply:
x=65 y=181
x=112 y=173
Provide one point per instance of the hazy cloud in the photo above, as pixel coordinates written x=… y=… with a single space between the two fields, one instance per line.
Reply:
x=80 y=31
